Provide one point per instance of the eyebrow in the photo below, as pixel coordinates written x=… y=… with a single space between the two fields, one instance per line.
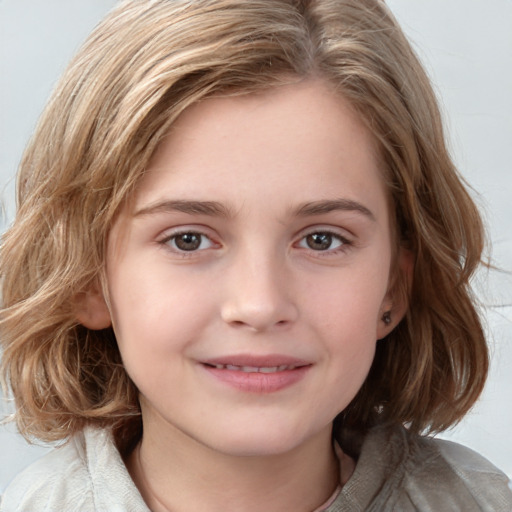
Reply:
x=211 y=208
x=216 y=209
x=332 y=205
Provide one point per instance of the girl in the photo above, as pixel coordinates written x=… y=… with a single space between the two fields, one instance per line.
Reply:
x=238 y=276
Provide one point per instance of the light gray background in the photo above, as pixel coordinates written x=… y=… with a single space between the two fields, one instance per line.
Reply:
x=467 y=48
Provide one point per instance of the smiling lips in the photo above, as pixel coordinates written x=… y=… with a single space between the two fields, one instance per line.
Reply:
x=257 y=374
x=255 y=369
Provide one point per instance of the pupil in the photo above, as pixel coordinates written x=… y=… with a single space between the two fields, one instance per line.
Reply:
x=188 y=241
x=319 y=241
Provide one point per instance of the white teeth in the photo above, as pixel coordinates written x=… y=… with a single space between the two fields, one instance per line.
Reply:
x=250 y=369
x=254 y=369
x=269 y=370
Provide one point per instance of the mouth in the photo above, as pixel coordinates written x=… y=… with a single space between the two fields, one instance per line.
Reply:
x=254 y=369
x=257 y=374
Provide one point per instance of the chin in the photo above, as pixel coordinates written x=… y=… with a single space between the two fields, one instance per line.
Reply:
x=263 y=442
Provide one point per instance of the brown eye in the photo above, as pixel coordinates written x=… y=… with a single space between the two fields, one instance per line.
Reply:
x=319 y=241
x=323 y=241
x=188 y=241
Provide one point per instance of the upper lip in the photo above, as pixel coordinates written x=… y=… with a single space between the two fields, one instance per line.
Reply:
x=257 y=361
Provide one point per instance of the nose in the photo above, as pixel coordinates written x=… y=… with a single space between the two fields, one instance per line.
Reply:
x=259 y=294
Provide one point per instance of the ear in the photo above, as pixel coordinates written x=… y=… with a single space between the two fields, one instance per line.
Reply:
x=91 y=310
x=395 y=303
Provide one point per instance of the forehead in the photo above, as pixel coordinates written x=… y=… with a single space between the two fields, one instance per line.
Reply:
x=301 y=133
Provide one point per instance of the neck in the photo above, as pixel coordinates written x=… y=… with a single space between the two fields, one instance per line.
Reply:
x=176 y=473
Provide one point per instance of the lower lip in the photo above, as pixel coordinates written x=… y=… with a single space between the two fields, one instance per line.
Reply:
x=255 y=382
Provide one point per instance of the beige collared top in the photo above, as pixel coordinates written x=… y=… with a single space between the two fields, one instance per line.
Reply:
x=396 y=471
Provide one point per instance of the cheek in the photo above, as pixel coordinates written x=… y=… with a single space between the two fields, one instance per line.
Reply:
x=349 y=301
x=156 y=315
x=345 y=312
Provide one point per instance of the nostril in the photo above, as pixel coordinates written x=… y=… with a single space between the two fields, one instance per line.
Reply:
x=258 y=312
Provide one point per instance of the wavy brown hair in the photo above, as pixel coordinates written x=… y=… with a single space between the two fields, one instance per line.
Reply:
x=139 y=69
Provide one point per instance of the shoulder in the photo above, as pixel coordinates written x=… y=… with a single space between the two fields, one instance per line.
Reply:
x=85 y=474
x=59 y=478
x=442 y=475
x=401 y=472
x=488 y=486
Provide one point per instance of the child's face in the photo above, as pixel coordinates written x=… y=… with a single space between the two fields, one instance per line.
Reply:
x=248 y=282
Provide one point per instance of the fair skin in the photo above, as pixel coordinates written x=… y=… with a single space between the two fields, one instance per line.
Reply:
x=247 y=284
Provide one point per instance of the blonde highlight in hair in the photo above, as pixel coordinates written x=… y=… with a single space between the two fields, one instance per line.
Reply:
x=142 y=66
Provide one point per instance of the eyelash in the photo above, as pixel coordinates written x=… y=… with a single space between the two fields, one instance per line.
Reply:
x=171 y=238
x=344 y=243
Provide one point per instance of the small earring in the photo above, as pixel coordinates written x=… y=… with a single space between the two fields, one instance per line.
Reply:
x=386 y=317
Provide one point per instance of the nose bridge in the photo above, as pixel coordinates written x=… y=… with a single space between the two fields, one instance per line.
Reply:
x=258 y=291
